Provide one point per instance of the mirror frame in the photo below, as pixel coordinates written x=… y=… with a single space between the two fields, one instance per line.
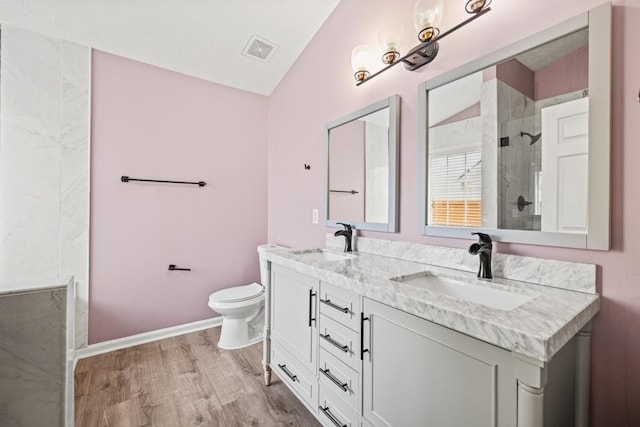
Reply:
x=393 y=103
x=598 y=20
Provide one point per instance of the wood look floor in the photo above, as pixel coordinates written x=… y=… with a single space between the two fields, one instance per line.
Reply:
x=183 y=381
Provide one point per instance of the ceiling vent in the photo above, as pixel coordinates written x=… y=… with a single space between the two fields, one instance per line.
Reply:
x=259 y=48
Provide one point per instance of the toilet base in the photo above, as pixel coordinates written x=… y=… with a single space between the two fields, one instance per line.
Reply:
x=240 y=333
x=247 y=344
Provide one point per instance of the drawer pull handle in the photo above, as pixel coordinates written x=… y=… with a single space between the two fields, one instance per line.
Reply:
x=288 y=372
x=311 y=295
x=327 y=373
x=330 y=340
x=332 y=305
x=327 y=412
x=362 y=349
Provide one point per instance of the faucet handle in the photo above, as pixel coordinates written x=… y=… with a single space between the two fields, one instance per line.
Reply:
x=347 y=227
x=483 y=237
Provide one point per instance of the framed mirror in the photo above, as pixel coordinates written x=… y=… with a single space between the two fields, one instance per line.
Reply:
x=517 y=144
x=362 y=167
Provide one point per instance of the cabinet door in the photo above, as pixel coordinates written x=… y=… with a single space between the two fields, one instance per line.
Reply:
x=294 y=304
x=417 y=373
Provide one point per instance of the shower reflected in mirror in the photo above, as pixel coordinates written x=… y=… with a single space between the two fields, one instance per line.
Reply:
x=534 y=138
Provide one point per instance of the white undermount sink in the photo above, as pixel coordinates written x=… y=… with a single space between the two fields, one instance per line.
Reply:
x=490 y=297
x=320 y=255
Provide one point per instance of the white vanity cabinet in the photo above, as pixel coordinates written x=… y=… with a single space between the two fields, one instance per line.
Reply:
x=418 y=373
x=294 y=330
x=355 y=361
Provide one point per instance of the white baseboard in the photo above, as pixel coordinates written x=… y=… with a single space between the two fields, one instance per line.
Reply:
x=120 y=343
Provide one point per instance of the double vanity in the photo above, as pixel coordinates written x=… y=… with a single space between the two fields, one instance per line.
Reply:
x=406 y=334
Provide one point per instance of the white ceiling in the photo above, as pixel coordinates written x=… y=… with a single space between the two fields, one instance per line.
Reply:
x=202 y=38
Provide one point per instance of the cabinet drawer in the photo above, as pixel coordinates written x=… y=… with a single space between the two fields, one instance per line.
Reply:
x=340 y=341
x=340 y=305
x=292 y=373
x=339 y=378
x=334 y=412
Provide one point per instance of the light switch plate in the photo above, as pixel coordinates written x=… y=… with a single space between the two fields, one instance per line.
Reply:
x=314 y=216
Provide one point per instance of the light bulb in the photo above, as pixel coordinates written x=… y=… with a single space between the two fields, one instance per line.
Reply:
x=476 y=6
x=427 y=16
x=361 y=61
x=390 y=38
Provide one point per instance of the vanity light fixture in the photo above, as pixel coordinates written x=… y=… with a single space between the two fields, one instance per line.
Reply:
x=361 y=62
x=390 y=38
x=427 y=16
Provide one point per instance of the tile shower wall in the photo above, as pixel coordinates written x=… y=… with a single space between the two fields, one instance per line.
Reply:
x=490 y=130
x=44 y=140
x=515 y=114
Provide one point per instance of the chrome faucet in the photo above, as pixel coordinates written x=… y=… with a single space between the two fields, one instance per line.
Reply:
x=483 y=250
x=348 y=234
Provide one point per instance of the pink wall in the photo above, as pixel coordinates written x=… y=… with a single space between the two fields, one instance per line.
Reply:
x=316 y=91
x=517 y=76
x=152 y=123
x=569 y=74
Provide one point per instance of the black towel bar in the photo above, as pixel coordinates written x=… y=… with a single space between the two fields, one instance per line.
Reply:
x=127 y=179
x=344 y=191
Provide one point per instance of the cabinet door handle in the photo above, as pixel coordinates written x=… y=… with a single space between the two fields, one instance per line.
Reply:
x=311 y=295
x=332 y=305
x=327 y=412
x=362 y=349
x=288 y=372
x=330 y=340
x=327 y=373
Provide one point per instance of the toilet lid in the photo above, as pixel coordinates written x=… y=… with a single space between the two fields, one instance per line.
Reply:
x=237 y=293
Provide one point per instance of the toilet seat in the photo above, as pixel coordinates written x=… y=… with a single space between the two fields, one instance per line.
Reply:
x=237 y=294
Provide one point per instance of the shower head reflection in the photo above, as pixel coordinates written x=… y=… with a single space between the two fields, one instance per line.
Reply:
x=534 y=138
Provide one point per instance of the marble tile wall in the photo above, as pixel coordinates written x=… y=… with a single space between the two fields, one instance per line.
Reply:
x=30 y=112
x=489 y=112
x=44 y=161
x=32 y=358
x=517 y=160
x=376 y=151
x=74 y=177
x=560 y=274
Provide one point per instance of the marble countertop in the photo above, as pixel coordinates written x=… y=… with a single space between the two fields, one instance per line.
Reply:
x=538 y=328
x=19 y=286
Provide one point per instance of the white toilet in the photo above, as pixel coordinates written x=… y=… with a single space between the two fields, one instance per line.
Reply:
x=242 y=308
x=242 y=311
